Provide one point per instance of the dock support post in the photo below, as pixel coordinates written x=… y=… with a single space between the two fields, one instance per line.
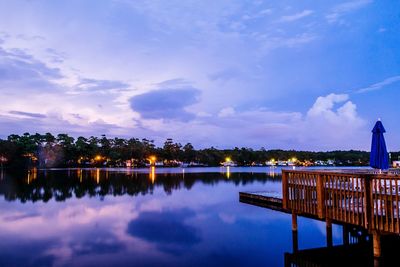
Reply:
x=376 y=243
x=295 y=241
x=376 y=240
x=294 y=221
x=345 y=235
x=329 y=240
x=295 y=233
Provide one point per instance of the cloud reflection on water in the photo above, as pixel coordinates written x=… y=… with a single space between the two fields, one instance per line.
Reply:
x=167 y=229
x=126 y=220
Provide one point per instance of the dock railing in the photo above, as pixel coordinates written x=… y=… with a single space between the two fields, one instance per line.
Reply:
x=365 y=198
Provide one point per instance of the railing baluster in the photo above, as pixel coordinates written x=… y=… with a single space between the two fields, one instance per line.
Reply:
x=358 y=188
x=337 y=192
x=301 y=191
x=347 y=204
x=348 y=207
x=341 y=198
x=379 y=204
x=381 y=197
x=397 y=206
x=375 y=201
x=343 y=202
x=332 y=197
x=353 y=196
x=387 y=204
x=309 y=196
x=391 y=206
x=304 y=190
x=335 y=206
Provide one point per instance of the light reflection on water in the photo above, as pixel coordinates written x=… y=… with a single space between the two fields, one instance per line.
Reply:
x=111 y=218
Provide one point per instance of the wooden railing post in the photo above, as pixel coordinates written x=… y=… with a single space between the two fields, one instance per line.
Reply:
x=368 y=202
x=285 y=189
x=320 y=196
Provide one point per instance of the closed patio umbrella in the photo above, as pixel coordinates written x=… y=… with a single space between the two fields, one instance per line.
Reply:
x=379 y=156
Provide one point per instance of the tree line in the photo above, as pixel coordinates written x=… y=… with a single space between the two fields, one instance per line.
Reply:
x=62 y=150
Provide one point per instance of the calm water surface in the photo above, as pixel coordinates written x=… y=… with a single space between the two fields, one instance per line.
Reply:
x=168 y=217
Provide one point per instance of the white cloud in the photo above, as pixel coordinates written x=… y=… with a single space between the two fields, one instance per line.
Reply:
x=340 y=10
x=261 y=14
x=379 y=85
x=324 y=104
x=297 y=16
x=225 y=112
x=335 y=127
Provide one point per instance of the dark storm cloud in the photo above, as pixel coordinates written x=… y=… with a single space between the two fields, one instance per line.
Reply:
x=166 y=103
x=167 y=229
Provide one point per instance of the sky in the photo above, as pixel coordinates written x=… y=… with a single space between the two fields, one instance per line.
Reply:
x=311 y=75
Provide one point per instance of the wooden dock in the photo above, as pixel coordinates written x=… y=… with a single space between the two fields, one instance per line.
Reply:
x=359 y=198
x=262 y=199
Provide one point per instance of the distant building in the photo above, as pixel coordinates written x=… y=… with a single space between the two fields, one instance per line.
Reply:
x=291 y=163
x=229 y=163
x=282 y=163
x=159 y=163
x=320 y=163
x=396 y=164
x=270 y=163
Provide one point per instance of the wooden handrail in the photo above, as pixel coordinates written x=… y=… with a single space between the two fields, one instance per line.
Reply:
x=360 y=198
x=344 y=172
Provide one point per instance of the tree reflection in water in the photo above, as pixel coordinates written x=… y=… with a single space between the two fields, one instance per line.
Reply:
x=41 y=185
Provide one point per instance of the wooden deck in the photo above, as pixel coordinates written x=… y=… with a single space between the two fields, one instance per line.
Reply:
x=365 y=199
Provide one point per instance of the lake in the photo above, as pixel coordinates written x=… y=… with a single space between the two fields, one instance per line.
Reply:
x=147 y=217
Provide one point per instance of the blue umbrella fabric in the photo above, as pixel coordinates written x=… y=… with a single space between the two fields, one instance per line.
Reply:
x=379 y=156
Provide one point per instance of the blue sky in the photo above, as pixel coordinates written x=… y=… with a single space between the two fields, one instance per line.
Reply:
x=309 y=75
